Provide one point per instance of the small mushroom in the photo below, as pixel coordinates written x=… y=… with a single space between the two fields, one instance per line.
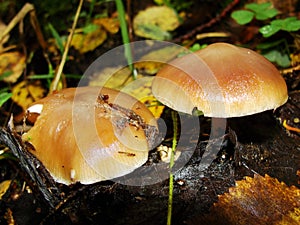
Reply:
x=221 y=80
x=90 y=134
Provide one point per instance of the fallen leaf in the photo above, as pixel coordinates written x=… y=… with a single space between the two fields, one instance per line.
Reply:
x=121 y=79
x=25 y=93
x=295 y=58
x=111 y=25
x=141 y=90
x=12 y=65
x=4 y=185
x=153 y=61
x=112 y=77
x=8 y=216
x=84 y=42
x=255 y=201
x=293 y=218
x=155 y=22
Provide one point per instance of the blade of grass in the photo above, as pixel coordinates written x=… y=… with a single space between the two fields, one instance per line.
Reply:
x=4 y=96
x=57 y=77
x=47 y=76
x=125 y=36
x=57 y=38
x=174 y=144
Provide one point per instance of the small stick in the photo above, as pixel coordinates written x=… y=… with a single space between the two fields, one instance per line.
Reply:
x=290 y=128
x=57 y=77
x=21 y=14
x=198 y=29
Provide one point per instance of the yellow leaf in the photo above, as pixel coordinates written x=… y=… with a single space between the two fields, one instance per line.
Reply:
x=4 y=185
x=153 y=105
x=88 y=42
x=155 y=60
x=110 y=24
x=121 y=79
x=26 y=93
x=13 y=64
x=112 y=77
x=155 y=22
x=141 y=90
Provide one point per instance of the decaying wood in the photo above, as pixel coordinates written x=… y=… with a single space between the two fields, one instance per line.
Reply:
x=31 y=166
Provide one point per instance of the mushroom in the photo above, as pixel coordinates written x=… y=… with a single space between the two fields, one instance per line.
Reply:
x=221 y=80
x=90 y=134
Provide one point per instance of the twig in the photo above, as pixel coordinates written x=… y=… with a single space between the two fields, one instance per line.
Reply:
x=198 y=29
x=57 y=77
x=36 y=26
x=290 y=70
x=21 y=14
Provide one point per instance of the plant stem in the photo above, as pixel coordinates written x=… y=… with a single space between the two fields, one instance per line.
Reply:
x=66 y=50
x=125 y=36
x=174 y=143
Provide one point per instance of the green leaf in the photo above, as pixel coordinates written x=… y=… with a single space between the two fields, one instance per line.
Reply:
x=154 y=32
x=262 y=11
x=196 y=47
x=269 y=30
x=5 y=74
x=292 y=25
x=288 y=24
x=277 y=57
x=90 y=28
x=57 y=38
x=270 y=13
x=258 y=7
x=4 y=96
x=267 y=45
x=242 y=16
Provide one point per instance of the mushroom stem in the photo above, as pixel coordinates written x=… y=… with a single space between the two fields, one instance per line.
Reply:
x=218 y=130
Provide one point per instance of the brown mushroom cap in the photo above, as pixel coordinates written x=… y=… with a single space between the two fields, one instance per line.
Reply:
x=221 y=80
x=90 y=134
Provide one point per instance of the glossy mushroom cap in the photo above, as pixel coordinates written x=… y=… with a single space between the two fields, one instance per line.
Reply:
x=90 y=134
x=221 y=80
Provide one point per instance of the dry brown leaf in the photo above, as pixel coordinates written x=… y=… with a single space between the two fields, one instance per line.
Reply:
x=255 y=201
x=26 y=93
x=293 y=218
x=12 y=64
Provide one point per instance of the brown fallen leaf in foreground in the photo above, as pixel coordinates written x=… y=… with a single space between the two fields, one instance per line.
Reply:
x=258 y=200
